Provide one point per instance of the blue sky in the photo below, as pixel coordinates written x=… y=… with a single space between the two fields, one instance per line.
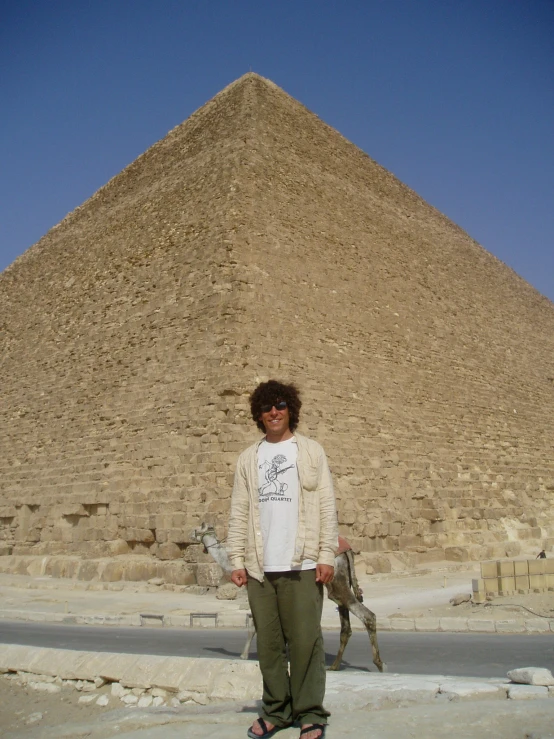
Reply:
x=455 y=97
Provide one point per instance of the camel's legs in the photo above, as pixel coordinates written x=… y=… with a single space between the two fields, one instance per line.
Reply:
x=353 y=579
x=345 y=634
x=251 y=635
x=368 y=619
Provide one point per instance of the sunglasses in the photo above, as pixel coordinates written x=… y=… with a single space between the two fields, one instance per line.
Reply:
x=280 y=406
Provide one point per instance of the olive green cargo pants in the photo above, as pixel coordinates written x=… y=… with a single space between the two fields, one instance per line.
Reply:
x=286 y=608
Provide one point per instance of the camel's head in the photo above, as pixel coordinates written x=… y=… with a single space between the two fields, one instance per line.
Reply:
x=199 y=533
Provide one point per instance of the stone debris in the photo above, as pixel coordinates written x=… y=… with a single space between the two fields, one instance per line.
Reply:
x=34 y=717
x=457 y=600
x=87 y=699
x=118 y=691
x=532 y=676
x=43 y=686
x=95 y=691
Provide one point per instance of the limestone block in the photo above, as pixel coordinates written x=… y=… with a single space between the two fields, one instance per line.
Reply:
x=449 y=623
x=491 y=585
x=537 y=626
x=118 y=546
x=456 y=554
x=178 y=573
x=527 y=692
x=169 y=550
x=87 y=570
x=531 y=676
x=427 y=623
x=140 y=570
x=118 y=690
x=62 y=567
x=112 y=571
x=481 y=625
x=176 y=535
x=235 y=680
x=87 y=699
x=143 y=535
x=208 y=574
x=510 y=626
x=512 y=548
x=378 y=563
x=466 y=690
x=227 y=591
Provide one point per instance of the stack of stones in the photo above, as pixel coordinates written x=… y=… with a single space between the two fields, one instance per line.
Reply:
x=513 y=576
x=104 y=693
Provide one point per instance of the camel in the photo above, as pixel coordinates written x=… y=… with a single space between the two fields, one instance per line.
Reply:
x=343 y=590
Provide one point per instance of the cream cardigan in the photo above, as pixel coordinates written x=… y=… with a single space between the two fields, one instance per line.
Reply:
x=317 y=534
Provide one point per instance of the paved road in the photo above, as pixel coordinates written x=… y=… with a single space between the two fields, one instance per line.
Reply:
x=472 y=655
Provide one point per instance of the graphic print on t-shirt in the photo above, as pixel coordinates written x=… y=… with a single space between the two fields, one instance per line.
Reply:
x=273 y=470
x=278 y=493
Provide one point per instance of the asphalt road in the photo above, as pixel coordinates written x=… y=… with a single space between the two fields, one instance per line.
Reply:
x=471 y=655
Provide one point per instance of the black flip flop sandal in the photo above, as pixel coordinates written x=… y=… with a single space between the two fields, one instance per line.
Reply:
x=314 y=727
x=266 y=732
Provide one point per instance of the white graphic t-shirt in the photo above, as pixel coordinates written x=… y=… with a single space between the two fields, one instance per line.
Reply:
x=278 y=498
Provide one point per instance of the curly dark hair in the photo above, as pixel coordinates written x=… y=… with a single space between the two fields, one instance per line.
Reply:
x=271 y=392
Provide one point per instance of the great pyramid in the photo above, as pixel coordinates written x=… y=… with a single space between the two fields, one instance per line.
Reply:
x=254 y=241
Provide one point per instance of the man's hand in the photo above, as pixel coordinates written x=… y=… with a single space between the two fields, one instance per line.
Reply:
x=324 y=573
x=239 y=577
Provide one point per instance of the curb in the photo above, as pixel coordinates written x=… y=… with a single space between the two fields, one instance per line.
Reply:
x=240 y=620
x=217 y=680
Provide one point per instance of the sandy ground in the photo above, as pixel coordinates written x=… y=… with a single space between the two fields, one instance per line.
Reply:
x=525 y=606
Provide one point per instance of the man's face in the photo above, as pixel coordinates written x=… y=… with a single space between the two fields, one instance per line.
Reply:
x=276 y=420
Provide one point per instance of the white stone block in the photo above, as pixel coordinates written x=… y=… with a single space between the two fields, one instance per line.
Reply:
x=527 y=692
x=44 y=687
x=531 y=676
x=86 y=699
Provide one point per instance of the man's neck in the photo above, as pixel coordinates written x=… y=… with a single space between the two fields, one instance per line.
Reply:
x=276 y=438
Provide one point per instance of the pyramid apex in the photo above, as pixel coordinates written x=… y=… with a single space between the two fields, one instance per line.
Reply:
x=250 y=77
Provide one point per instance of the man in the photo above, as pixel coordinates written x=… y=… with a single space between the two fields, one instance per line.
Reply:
x=282 y=540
